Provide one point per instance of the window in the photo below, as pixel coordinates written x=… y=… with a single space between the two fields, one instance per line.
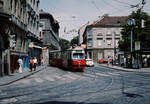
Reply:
x=99 y=41
x=78 y=56
x=109 y=41
x=109 y=34
x=99 y=34
x=90 y=42
x=33 y=2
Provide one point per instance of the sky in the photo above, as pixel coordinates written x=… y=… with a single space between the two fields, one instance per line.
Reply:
x=73 y=14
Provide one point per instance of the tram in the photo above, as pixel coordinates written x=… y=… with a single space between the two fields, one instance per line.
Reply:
x=71 y=59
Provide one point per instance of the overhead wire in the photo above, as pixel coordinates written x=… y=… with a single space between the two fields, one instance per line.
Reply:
x=93 y=2
x=112 y=6
x=125 y=3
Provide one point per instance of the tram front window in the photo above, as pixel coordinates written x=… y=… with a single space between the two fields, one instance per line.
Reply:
x=78 y=56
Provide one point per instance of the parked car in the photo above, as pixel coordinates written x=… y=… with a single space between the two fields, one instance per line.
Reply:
x=102 y=61
x=89 y=62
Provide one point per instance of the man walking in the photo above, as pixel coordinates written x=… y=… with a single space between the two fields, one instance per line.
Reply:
x=35 y=63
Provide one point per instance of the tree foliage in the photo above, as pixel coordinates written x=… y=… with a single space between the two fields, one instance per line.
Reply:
x=139 y=33
x=64 y=44
x=74 y=41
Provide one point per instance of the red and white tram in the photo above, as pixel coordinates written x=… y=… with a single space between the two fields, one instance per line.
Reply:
x=72 y=59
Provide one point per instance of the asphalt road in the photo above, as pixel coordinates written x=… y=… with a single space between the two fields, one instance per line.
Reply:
x=97 y=85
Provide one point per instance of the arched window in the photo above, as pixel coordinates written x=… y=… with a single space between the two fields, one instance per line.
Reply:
x=99 y=34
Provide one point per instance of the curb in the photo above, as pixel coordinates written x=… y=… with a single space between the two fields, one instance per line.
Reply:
x=17 y=79
x=124 y=70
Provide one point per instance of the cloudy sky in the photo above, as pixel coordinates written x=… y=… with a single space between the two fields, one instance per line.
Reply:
x=72 y=14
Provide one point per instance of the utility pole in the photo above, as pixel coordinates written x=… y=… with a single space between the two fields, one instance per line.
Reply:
x=114 y=48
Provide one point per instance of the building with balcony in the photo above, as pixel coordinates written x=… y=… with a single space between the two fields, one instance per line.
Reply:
x=34 y=41
x=19 y=22
x=49 y=33
x=102 y=36
x=13 y=31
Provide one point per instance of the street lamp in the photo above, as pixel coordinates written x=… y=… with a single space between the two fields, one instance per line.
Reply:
x=131 y=22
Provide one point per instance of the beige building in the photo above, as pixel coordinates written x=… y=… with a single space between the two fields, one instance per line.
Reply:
x=101 y=37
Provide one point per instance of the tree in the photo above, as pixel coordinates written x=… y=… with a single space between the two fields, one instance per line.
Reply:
x=74 y=41
x=64 y=44
x=139 y=33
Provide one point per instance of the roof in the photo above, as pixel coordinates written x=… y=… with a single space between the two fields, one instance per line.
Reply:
x=111 y=21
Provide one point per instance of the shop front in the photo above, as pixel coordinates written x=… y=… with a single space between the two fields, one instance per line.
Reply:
x=14 y=56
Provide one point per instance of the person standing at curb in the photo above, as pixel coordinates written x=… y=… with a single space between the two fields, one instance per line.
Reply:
x=31 y=63
x=20 y=65
x=35 y=63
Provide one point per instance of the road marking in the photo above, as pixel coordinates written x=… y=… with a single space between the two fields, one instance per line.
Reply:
x=113 y=73
x=38 y=80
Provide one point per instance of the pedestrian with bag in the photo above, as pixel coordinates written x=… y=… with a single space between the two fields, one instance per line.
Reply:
x=31 y=63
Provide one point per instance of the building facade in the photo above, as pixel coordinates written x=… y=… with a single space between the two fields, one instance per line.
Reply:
x=16 y=25
x=101 y=38
x=13 y=33
x=34 y=41
x=49 y=33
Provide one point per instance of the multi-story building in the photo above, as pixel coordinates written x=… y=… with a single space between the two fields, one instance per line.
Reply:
x=80 y=33
x=49 y=33
x=101 y=37
x=18 y=22
x=13 y=31
x=34 y=41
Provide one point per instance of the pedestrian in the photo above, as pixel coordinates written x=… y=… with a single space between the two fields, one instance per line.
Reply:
x=35 y=63
x=125 y=62
x=31 y=63
x=20 y=64
x=108 y=61
x=42 y=62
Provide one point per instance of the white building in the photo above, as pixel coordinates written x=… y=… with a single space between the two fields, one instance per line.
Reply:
x=101 y=37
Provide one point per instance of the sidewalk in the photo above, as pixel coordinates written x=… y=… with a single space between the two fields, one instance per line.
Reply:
x=8 y=79
x=142 y=70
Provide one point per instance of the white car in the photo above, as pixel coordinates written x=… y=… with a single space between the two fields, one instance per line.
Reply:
x=89 y=62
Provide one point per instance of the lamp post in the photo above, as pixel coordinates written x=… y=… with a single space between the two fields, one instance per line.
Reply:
x=131 y=23
x=115 y=48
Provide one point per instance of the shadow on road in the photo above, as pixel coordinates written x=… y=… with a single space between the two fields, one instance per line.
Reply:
x=132 y=95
